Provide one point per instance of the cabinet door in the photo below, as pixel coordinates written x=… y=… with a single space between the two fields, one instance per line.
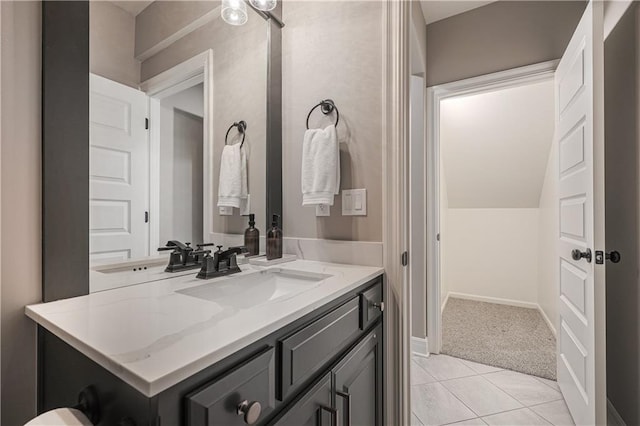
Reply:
x=244 y=395
x=358 y=383
x=313 y=409
x=308 y=350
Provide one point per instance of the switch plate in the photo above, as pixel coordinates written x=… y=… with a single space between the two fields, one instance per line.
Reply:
x=354 y=202
x=323 y=210
x=225 y=211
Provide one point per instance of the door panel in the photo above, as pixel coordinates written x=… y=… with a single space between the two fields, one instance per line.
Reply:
x=579 y=129
x=312 y=409
x=118 y=172
x=358 y=383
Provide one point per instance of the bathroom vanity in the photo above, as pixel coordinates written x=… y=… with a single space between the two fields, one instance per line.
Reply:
x=297 y=344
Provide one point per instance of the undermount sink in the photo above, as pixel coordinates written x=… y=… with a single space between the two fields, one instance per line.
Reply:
x=257 y=288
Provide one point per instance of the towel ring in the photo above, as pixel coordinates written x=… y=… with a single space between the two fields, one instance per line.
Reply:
x=327 y=106
x=242 y=127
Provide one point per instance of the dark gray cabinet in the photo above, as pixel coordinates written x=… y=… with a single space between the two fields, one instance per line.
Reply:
x=357 y=382
x=350 y=395
x=324 y=369
x=242 y=396
x=304 y=352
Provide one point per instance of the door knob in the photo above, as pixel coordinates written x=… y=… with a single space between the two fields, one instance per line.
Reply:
x=250 y=410
x=612 y=256
x=577 y=255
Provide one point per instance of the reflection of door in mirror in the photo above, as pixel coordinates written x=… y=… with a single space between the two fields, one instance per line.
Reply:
x=118 y=179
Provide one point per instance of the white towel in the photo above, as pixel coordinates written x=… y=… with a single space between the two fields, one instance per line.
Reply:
x=232 y=186
x=320 y=166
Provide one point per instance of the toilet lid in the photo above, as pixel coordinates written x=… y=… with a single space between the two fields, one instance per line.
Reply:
x=61 y=417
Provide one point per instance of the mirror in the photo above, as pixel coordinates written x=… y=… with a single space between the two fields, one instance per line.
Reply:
x=171 y=84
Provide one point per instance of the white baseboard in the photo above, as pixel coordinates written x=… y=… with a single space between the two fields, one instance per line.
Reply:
x=496 y=300
x=613 y=417
x=419 y=346
x=548 y=321
x=444 y=304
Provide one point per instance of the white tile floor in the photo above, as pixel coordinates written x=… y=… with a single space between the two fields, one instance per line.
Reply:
x=452 y=391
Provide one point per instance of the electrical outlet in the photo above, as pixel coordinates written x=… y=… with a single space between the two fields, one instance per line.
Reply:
x=225 y=211
x=323 y=210
x=245 y=206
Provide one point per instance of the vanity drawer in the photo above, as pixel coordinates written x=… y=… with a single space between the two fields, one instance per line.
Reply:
x=371 y=305
x=307 y=350
x=218 y=402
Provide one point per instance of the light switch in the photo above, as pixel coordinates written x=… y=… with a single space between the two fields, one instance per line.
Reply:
x=354 y=202
x=323 y=210
x=357 y=204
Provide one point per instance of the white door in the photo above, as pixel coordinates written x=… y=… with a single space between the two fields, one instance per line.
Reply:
x=580 y=133
x=118 y=172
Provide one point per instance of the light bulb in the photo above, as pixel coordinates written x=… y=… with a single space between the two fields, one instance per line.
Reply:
x=234 y=12
x=264 y=5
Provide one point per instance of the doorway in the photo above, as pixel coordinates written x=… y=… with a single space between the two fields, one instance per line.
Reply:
x=181 y=165
x=496 y=179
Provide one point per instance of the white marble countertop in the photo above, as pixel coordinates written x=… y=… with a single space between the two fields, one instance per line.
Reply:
x=153 y=337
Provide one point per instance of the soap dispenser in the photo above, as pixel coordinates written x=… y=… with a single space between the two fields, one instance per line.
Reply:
x=274 y=240
x=252 y=237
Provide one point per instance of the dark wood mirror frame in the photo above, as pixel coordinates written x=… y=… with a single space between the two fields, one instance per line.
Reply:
x=65 y=147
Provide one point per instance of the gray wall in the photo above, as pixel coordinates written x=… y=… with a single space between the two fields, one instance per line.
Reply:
x=622 y=85
x=334 y=50
x=111 y=43
x=20 y=178
x=163 y=19
x=499 y=36
x=240 y=93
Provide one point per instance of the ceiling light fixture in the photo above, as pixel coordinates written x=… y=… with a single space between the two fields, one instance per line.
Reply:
x=264 y=5
x=234 y=12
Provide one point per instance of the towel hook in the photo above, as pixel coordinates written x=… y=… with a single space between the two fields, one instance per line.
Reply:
x=242 y=128
x=327 y=106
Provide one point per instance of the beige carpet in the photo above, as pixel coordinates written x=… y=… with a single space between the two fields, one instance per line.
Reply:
x=499 y=335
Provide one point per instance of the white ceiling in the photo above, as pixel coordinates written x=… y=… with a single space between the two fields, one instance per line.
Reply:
x=495 y=146
x=132 y=7
x=436 y=10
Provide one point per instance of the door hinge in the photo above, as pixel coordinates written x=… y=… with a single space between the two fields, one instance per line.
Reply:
x=146 y=217
x=438 y=236
x=146 y=124
x=405 y=258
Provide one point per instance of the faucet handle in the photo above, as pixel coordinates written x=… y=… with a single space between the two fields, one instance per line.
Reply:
x=219 y=248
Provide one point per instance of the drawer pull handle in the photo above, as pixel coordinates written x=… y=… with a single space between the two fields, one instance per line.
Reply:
x=347 y=397
x=334 y=415
x=250 y=410
x=378 y=305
